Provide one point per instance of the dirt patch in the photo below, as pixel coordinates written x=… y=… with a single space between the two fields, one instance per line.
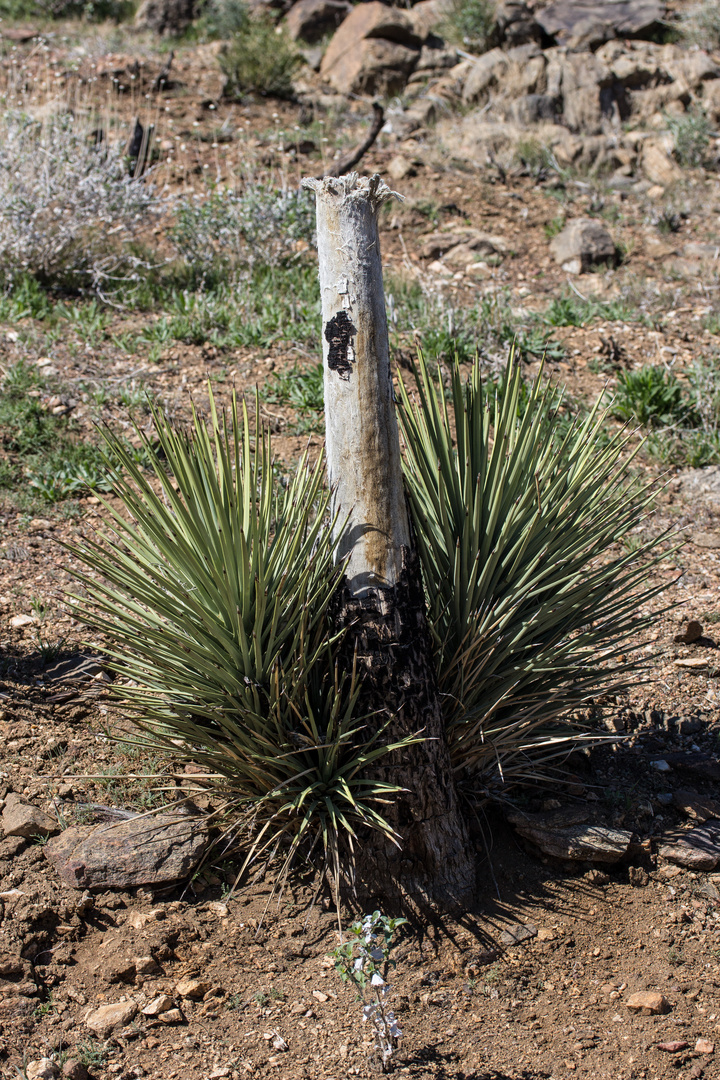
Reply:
x=534 y=981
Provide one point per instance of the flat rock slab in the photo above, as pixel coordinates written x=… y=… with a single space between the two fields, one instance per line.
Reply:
x=698 y=849
x=108 y=1017
x=701 y=486
x=192 y=988
x=155 y=850
x=562 y=836
x=624 y=16
x=517 y=933
x=700 y=807
x=79 y=668
x=648 y=1003
x=22 y=819
x=707 y=540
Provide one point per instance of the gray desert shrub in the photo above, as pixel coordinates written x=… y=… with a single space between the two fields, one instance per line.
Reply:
x=69 y=211
x=700 y=24
x=232 y=230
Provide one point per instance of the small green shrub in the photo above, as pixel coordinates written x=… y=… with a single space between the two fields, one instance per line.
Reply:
x=24 y=298
x=42 y=450
x=447 y=332
x=572 y=310
x=450 y=333
x=89 y=321
x=61 y=481
x=691 y=136
x=566 y=311
x=25 y=427
x=92 y=1053
x=470 y=23
x=652 y=396
x=260 y=60
x=693 y=448
x=300 y=387
x=537 y=159
x=268 y=304
x=538 y=344
x=694 y=437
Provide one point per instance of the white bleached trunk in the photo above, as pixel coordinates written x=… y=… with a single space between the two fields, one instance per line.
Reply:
x=363 y=447
x=381 y=603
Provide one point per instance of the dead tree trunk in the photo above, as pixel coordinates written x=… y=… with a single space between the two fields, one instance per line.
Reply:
x=382 y=599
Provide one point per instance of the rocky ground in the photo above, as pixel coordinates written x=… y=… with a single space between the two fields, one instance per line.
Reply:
x=591 y=893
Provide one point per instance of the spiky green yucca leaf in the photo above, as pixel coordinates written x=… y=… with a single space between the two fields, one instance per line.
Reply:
x=515 y=528
x=213 y=595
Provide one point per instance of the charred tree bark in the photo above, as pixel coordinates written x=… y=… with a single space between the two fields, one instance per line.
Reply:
x=382 y=601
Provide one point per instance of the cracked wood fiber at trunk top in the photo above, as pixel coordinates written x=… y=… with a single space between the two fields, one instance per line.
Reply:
x=361 y=429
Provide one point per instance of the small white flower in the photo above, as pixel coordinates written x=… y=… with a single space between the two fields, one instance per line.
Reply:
x=377 y=980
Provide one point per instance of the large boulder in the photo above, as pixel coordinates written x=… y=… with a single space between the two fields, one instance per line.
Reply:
x=624 y=18
x=374 y=66
x=698 y=849
x=485 y=75
x=373 y=52
x=582 y=244
x=642 y=64
x=515 y=23
x=311 y=20
x=168 y=17
x=587 y=93
x=658 y=166
x=429 y=14
x=507 y=75
x=104 y=1020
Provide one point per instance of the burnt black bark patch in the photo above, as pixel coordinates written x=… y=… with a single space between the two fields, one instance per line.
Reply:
x=339 y=333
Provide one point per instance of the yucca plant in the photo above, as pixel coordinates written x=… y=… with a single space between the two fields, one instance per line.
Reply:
x=213 y=596
x=514 y=526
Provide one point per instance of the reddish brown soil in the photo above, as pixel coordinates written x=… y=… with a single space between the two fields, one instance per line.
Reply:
x=469 y=1006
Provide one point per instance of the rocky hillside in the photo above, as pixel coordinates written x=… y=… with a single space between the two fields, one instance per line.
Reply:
x=601 y=86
